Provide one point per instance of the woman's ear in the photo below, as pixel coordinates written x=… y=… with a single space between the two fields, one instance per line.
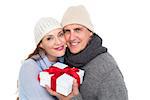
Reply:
x=41 y=46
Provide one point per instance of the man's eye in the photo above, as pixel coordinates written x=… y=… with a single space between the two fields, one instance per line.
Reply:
x=66 y=31
x=77 y=29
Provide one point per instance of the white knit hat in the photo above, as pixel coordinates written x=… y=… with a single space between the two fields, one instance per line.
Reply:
x=44 y=26
x=77 y=15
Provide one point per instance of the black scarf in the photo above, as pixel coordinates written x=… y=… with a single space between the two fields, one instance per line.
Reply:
x=80 y=59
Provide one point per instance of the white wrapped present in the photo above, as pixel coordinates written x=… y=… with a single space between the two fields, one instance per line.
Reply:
x=59 y=78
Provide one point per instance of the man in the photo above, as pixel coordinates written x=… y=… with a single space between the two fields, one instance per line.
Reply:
x=103 y=79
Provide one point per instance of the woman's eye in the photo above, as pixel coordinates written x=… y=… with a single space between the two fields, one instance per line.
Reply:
x=61 y=34
x=49 y=38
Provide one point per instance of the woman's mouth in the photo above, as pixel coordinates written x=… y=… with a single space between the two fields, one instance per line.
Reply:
x=59 y=48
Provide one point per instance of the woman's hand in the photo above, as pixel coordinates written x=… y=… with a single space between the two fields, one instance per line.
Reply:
x=75 y=92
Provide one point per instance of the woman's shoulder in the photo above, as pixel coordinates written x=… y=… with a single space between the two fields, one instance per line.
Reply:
x=29 y=64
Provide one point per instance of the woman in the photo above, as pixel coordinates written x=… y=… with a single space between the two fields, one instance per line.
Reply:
x=51 y=46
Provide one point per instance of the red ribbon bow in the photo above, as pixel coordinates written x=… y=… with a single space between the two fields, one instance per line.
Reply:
x=58 y=72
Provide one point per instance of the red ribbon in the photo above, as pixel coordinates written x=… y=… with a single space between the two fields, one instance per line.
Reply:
x=58 y=72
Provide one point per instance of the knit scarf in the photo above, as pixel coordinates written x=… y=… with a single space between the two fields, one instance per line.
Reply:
x=93 y=49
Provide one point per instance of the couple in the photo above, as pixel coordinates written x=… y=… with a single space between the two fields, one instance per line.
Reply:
x=75 y=44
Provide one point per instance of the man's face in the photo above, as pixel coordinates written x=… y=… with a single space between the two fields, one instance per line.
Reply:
x=77 y=37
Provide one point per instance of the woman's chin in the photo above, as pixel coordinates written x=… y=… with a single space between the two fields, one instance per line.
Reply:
x=60 y=54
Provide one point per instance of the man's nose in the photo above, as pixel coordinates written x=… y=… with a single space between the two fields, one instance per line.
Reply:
x=72 y=35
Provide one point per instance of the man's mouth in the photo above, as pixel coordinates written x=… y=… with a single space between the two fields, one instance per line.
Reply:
x=74 y=43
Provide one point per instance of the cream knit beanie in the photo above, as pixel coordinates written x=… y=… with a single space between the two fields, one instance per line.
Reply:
x=77 y=15
x=44 y=26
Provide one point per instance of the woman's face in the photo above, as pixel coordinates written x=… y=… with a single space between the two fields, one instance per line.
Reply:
x=54 y=43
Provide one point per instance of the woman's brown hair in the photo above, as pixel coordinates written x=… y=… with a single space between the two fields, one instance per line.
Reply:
x=37 y=53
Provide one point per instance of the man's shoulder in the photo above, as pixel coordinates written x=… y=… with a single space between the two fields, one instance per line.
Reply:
x=103 y=62
x=104 y=58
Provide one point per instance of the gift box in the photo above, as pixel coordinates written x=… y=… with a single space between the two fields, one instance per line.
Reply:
x=59 y=78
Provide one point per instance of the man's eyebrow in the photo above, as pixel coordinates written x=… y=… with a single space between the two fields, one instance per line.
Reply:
x=78 y=28
x=66 y=29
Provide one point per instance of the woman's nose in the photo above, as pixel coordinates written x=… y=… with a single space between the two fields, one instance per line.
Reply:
x=57 y=41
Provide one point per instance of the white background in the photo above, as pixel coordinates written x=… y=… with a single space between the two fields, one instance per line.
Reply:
x=124 y=26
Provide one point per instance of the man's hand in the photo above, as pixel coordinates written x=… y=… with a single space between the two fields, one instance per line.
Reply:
x=75 y=92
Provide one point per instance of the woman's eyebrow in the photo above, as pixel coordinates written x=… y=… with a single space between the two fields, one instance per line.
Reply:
x=60 y=31
x=49 y=35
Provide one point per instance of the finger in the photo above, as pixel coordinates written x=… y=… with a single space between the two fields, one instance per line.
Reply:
x=75 y=90
x=51 y=91
x=75 y=87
